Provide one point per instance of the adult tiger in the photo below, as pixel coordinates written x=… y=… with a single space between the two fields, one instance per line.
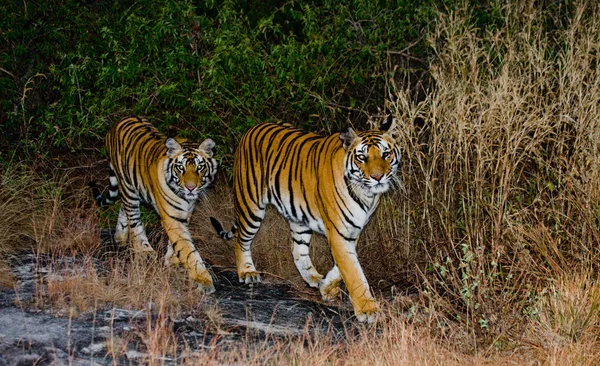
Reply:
x=170 y=175
x=325 y=184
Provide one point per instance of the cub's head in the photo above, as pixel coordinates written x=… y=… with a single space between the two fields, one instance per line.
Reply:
x=372 y=157
x=190 y=167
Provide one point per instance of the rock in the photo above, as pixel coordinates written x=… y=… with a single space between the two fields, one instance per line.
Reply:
x=135 y=355
x=231 y=315
x=94 y=348
x=119 y=315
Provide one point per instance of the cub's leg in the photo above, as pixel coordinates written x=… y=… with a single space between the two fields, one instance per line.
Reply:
x=122 y=229
x=136 y=227
x=301 y=247
x=181 y=250
x=346 y=260
x=248 y=226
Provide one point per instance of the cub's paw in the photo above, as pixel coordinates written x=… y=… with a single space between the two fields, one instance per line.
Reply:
x=367 y=312
x=249 y=277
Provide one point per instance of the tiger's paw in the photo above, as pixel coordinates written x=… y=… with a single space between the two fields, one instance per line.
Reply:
x=121 y=237
x=331 y=291
x=249 y=277
x=142 y=247
x=368 y=311
x=205 y=290
x=170 y=258
x=204 y=282
x=315 y=280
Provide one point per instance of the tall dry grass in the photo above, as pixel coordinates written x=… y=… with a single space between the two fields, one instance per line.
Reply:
x=45 y=212
x=36 y=215
x=502 y=177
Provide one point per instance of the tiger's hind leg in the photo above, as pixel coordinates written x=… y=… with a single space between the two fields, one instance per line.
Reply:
x=136 y=227
x=122 y=229
x=300 y=250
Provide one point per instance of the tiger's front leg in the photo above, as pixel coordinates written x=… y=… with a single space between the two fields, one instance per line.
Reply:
x=346 y=259
x=181 y=250
x=248 y=227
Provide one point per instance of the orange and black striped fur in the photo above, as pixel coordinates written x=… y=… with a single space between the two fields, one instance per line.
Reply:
x=325 y=184
x=170 y=175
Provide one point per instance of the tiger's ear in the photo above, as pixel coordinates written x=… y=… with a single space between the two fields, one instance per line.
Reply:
x=348 y=138
x=173 y=147
x=390 y=127
x=206 y=147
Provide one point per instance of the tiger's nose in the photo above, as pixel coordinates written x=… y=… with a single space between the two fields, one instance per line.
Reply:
x=190 y=186
x=377 y=176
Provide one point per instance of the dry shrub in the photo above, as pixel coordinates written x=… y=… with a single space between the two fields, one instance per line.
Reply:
x=503 y=174
x=391 y=342
x=45 y=213
x=19 y=204
x=36 y=215
x=564 y=321
x=131 y=282
x=7 y=280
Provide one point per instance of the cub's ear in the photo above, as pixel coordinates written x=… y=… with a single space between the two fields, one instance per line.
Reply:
x=173 y=147
x=206 y=147
x=390 y=127
x=348 y=138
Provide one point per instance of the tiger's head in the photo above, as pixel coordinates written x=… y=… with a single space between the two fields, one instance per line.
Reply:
x=190 y=167
x=372 y=157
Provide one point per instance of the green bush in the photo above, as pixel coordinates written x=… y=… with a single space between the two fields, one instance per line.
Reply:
x=72 y=68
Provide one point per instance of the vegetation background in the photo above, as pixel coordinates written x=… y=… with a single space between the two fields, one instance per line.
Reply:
x=496 y=225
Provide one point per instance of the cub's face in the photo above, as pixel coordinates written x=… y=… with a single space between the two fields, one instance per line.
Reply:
x=372 y=158
x=191 y=167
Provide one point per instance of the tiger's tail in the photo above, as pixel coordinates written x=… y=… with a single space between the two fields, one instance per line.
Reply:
x=227 y=235
x=113 y=190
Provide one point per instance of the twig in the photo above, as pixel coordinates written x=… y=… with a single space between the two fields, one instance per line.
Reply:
x=8 y=72
x=84 y=166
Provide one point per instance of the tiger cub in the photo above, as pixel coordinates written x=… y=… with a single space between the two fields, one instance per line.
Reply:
x=330 y=185
x=170 y=175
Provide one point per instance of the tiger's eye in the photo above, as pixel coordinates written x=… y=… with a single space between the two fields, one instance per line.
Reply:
x=361 y=157
x=386 y=155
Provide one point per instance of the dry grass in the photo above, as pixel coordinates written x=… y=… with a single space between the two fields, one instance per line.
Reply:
x=130 y=283
x=503 y=175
